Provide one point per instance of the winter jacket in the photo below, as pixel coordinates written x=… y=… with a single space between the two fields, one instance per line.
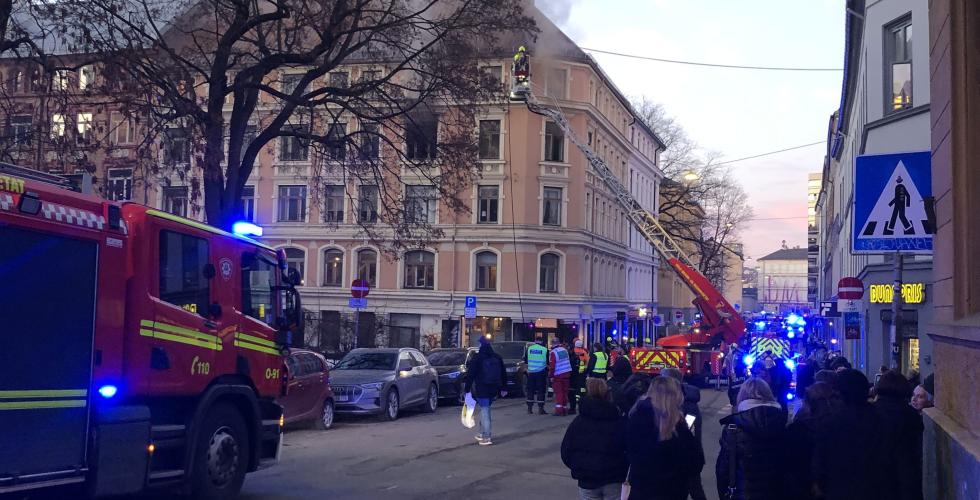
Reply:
x=626 y=395
x=474 y=382
x=758 y=431
x=846 y=454
x=692 y=396
x=594 y=447
x=660 y=470
x=621 y=372
x=801 y=438
x=901 y=452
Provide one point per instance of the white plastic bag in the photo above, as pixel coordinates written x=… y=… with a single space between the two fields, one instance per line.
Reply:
x=469 y=409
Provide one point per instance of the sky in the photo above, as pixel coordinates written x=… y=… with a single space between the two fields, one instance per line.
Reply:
x=737 y=113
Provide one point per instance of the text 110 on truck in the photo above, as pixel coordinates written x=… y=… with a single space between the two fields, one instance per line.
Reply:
x=140 y=349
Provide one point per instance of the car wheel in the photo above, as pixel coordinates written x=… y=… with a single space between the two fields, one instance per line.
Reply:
x=326 y=416
x=390 y=407
x=432 y=400
x=221 y=454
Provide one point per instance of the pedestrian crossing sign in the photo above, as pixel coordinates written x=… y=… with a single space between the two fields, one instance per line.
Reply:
x=890 y=193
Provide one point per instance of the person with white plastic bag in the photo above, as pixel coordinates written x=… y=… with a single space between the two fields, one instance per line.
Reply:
x=485 y=379
x=467 y=417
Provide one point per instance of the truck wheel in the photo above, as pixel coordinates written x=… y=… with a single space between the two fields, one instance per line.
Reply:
x=220 y=455
x=431 y=400
x=390 y=405
x=326 y=416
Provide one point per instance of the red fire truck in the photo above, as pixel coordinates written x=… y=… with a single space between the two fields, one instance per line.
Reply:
x=140 y=349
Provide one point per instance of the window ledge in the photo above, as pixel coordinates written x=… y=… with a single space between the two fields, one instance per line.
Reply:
x=555 y=163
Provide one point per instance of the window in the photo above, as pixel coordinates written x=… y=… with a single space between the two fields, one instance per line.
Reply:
x=491 y=76
x=175 y=200
x=296 y=259
x=340 y=79
x=420 y=204
x=290 y=82
x=119 y=187
x=420 y=269
x=86 y=77
x=333 y=268
x=367 y=266
x=15 y=81
x=248 y=203
x=488 y=199
x=551 y=214
x=62 y=79
x=548 y=280
x=123 y=129
x=292 y=203
x=336 y=146
x=556 y=83
x=367 y=204
x=84 y=124
x=486 y=271
x=176 y=150
x=258 y=278
x=182 y=280
x=420 y=137
x=370 y=143
x=333 y=199
x=292 y=148
x=21 y=128
x=898 y=65
x=57 y=126
x=489 y=139
x=554 y=142
x=370 y=76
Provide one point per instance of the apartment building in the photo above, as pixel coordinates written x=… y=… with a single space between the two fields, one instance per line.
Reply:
x=783 y=281
x=813 y=182
x=884 y=109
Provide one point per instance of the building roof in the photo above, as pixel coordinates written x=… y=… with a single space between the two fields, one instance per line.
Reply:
x=787 y=254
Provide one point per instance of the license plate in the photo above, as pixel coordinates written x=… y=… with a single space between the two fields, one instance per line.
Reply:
x=342 y=398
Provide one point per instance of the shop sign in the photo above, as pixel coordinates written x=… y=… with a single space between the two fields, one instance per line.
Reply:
x=912 y=293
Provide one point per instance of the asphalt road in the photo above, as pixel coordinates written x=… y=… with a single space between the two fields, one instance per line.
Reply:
x=432 y=456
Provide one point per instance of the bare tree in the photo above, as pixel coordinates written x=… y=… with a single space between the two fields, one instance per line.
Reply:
x=701 y=202
x=226 y=78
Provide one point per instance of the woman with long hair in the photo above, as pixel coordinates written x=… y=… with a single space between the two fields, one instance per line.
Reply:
x=663 y=453
x=751 y=464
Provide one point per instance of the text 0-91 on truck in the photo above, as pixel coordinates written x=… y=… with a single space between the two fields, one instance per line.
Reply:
x=140 y=349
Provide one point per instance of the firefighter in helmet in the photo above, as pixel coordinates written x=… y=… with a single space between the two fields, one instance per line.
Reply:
x=577 y=387
x=522 y=65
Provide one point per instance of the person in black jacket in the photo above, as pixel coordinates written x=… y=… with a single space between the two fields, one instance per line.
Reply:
x=594 y=447
x=901 y=455
x=633 y=389
x=751 y=464
x=485 y=379
x=621 y=371
x=692 y=396
x=847 y=449
x=662 y=452
x=820 y=403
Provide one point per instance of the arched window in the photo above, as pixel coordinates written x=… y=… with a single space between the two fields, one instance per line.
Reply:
x=420 y=267
x=548 y=273
x=367 y=266
x=296 y=259
x=333 y=267
x=486 y=271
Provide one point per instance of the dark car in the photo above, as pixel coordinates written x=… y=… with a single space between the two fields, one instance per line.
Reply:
x=383 y=381
x=308 y=395
x=451 y=366
x=513 y=354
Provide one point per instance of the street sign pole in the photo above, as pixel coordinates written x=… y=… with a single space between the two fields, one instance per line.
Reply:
x=896 y=310
x=357 y=322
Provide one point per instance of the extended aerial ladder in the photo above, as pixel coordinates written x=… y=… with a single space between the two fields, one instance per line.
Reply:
x=720 y=321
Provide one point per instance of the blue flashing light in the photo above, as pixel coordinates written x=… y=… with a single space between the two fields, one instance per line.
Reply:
x=108 y=391
x=833 y=341
x=760 y=325
x=800 y=329
x=790 y=396
x=790 y=334
x=243 y=228
x=790 y=364
x=748 y=359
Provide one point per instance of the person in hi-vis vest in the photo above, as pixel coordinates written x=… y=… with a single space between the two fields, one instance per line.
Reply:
x=560 y=371
x=598 y=362
x=576 y=389
x=536 y=357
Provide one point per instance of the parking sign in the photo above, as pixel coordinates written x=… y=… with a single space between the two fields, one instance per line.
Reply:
x=469 y=307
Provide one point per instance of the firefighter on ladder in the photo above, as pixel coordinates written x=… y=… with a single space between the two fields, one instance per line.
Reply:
x=577 y=387
x=522 y=74
x=536 y=357
x=560 y=371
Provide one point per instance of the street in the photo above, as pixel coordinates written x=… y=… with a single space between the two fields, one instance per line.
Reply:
x=433 y=456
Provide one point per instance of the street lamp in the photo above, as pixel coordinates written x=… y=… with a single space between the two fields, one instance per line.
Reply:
x=691 y=176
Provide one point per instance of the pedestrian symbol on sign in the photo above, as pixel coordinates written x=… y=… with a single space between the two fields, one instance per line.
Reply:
x=890 y=193
x=900 y=202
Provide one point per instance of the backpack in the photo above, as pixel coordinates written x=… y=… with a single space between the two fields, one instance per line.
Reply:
x=490 y=371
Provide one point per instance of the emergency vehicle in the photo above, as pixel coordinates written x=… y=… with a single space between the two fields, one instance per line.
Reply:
x=720 y=322
x=140 y=349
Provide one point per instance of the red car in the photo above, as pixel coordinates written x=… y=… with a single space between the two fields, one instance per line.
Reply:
x=308 y=396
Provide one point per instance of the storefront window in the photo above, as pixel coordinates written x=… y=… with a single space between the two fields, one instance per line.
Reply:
x=500 y=329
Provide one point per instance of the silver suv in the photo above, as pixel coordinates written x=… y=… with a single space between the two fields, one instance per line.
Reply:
x=383 y=381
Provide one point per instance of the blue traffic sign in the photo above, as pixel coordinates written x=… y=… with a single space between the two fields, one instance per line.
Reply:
x=470 y=301
x=469 y=308
x=889 y=203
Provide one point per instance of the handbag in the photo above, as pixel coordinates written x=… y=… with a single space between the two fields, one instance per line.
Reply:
x=624 y=492
x=732 y=492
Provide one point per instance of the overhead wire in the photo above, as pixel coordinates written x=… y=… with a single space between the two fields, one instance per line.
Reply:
x=711 y=65
x=770 y=153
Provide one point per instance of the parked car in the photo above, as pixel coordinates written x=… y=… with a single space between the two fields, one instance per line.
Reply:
x=308 y=395
x=384 y=381
x=513 y=354
x=451 y=366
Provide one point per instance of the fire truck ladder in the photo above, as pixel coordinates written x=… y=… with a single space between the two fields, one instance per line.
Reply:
x=718 y=316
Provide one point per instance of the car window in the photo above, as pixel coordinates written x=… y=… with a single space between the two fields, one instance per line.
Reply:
x=447 y=358
x=418 y=358
x=292 y=365
x=311 y=365
x=367 y=361
x=405 y=361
